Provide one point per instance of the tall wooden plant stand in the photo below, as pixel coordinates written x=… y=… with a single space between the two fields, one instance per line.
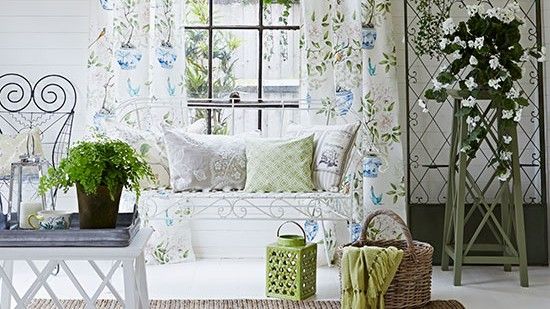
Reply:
x=508 y=228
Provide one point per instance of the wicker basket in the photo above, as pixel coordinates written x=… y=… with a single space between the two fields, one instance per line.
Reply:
x=411 y=286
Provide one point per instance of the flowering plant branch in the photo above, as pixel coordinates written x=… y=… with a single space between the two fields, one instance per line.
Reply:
x=487 y=52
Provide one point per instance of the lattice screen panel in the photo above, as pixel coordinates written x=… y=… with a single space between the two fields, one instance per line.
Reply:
x=429 y=133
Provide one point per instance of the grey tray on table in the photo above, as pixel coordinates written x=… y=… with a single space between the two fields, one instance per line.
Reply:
x=127 y=226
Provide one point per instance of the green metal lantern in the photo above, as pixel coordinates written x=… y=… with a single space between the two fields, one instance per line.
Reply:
x=291 y=266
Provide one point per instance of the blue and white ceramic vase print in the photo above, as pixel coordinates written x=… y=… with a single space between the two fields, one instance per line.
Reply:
x=373 y=186
x=371 y=165
x=128 y=57
x=344 y=101
x=369 y=37
x=99 y=119
x=311 y=227
x=107 y=5
x=355 y=231
x=166 y=56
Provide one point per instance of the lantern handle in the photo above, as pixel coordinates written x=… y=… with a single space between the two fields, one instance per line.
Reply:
x=294 y=222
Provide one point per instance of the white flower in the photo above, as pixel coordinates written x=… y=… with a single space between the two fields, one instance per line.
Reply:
x=493 y=12
x=542 y=54
x=504 y=175
x=473 y=60
x=470 y=43
x=473 y=9
x=459 y=42
x=478 y=43
x=507 y=139
x=443 y=68
x=494 y=83
x=506 y=15
x=456 y=54
x=443 y=43
x=437 y=84
x=512 y=94
x=448 y=26
x=525 y=56
x=472 y=121
x=507 y=114
x=469 y=102
x=505 y=155
x=514 y=6
x=493 y=62
x=422 y=105
x=517 y=117
x=465 y=148
x=470 y=83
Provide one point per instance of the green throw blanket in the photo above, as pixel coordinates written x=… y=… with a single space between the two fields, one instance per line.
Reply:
x=366 y=275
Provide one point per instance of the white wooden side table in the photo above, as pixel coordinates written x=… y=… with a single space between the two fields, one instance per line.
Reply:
x=131 y=258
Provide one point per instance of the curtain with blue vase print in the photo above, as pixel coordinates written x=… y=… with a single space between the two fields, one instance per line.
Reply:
x=350 y=65
x=135 y=51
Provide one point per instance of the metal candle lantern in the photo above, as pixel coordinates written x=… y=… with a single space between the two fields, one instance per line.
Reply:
x=291 y=266
x=23 y=197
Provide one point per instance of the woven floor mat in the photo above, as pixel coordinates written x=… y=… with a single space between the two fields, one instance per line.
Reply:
x=226 y=304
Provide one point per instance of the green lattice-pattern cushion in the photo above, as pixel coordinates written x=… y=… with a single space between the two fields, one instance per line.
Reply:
x=279 y=165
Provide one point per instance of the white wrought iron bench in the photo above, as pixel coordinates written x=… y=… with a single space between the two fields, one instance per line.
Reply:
x=238 y=205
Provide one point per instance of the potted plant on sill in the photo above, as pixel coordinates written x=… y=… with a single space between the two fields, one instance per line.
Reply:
x=99 y=169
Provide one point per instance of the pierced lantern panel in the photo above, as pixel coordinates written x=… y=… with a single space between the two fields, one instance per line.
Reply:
x=291 y=267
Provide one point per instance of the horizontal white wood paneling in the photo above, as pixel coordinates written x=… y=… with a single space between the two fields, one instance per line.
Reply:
x=43 y=8
x=44 y=24
x=39 y=37
x=43 y=56
x=18 y=40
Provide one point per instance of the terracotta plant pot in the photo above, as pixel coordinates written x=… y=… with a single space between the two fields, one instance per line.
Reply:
x=98 y=211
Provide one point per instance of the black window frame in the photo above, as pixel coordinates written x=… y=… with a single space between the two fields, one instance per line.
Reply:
x=211 y=27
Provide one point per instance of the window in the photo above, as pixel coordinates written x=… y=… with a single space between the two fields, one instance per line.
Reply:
x=250 y=47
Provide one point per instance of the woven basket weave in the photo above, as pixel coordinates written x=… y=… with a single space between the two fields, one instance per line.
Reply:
x=411 y=285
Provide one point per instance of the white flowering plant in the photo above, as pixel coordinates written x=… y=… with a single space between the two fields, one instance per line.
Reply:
x=486 y=62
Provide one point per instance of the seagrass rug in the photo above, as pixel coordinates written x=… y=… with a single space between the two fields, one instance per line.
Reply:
x=226 y=304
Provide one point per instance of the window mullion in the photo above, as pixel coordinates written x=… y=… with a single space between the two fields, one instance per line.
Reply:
x=260 y=57
x=210 y=62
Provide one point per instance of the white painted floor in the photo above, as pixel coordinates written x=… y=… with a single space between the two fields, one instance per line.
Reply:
x=483 y=287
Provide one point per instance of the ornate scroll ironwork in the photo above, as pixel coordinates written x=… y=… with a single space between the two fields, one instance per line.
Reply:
x=47 y=105
x=428 y=142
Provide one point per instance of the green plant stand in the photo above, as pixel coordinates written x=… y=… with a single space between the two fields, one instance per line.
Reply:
x=510 y=247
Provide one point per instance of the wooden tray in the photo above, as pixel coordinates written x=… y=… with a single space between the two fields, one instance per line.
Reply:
x=127 y=226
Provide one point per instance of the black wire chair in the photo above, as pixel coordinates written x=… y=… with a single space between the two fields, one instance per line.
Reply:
x=48 y=105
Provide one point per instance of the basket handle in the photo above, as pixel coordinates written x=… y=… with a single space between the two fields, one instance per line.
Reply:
x=395 y=217
x=293 y=222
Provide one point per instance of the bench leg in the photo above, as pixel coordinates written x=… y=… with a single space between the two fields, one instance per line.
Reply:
x=326 y=243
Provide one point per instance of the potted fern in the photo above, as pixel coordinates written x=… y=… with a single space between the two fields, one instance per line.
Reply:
x=99 y=169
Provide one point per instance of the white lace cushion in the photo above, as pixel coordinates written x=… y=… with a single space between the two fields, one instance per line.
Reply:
x=150 y=144
x=205 y=162
x=332 y=147
x=12 y=147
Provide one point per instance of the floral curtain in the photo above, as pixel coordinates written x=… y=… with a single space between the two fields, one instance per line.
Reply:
x=135 y=50
x=351 y=61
